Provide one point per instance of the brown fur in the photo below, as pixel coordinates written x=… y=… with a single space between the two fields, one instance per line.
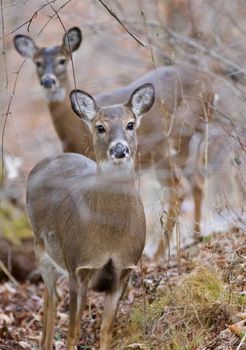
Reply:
x=88 y=224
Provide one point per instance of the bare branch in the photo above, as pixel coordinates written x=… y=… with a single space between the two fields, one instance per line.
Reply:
x=192 y=43
x=111 y=12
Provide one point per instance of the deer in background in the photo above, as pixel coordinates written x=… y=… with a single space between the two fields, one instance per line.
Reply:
x=51 y=64
x=88 y=219
x=180 y=109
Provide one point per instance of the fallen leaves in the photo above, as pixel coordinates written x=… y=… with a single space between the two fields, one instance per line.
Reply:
x=21 y=306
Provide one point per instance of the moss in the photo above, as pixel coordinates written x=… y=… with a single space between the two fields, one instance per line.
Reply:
x=181 y=319
x=204 y=286
x=14 y=224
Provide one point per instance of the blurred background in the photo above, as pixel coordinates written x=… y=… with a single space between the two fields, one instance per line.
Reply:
x=210 y=35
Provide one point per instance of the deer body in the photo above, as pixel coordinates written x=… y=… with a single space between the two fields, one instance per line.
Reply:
x=88 y=218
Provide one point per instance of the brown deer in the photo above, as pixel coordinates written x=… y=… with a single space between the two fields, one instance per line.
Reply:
x=164 y=137
x=181 y=109
x=51 y=64
x=88 y=219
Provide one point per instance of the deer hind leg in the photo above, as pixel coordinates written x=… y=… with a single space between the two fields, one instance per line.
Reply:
x=174 y=204
x=111 y=304
x=78 y=292
x=198 y=196
x=51 y=298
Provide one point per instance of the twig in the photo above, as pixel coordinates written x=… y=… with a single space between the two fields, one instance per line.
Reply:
x=3 y=47
x=29 y=21
x=64 y=28
x=144 y=296
x=204 y=50
x=111 y=12
x=6 y=119
x=236 y=137
x=8 y=274
x=241 y=342
x=16 y=79
x=70 y=54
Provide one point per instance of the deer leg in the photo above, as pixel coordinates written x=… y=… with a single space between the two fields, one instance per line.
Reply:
x=50 y=305
x=111 y=304
x=174 y=204
x=78 y=292
x=197 y=195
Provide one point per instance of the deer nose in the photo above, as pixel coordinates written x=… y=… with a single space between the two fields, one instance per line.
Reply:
x=119 y=151
x=47 y=82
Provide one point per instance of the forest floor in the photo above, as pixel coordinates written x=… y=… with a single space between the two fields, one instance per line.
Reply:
x=195 y=300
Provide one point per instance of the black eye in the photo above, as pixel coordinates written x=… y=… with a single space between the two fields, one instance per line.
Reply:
x=130 y=126
x=62 y=61
x=100 y=129
x=38 y=64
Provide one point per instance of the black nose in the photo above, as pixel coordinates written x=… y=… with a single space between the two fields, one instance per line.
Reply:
x=48 y=82
x=119 y=151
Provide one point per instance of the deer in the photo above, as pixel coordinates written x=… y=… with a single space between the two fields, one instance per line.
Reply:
x=52 y=71
x=87 y=217
x=180 y=110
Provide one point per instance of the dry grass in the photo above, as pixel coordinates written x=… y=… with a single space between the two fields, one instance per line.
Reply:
x=198 y=308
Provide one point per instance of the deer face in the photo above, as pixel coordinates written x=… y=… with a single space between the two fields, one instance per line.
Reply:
x=114 y=127
x=51 y=62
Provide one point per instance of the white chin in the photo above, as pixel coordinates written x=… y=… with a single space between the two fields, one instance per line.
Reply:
x=55 y=94
x=116 y=167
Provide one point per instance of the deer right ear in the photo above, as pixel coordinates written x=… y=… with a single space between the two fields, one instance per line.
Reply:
x=142 y=99
x=83 y=105
x=72 y=39
x=25 y=46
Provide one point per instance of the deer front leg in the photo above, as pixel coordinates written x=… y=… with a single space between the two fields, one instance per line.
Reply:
x=111 y=304
x=77 y=291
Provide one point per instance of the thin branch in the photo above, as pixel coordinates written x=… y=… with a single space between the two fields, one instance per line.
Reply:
x=6 y=119
x=8 y=274
x=28 y=22
x=16 y=79
x=3 y=47
x=204 y=50
x=111 y=12
x=236 y=136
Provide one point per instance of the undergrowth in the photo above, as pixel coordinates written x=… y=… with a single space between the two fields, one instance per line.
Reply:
x=14 y=224
x=182 y=318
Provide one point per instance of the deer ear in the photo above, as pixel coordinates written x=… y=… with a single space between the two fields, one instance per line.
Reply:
x=142 y=99
x=72 y=39
x=83 y=105
x=25 y=46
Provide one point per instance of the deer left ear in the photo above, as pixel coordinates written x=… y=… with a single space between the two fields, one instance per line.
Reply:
x=72 y=39
x=142 y=99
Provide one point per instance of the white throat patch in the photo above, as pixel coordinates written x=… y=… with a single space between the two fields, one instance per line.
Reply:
x=55 y=96
x=116 y=168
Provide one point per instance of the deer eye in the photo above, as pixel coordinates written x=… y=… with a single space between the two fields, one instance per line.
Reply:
x=62 y=61
x=130 y=126
x=38 y=64
x=100 y=129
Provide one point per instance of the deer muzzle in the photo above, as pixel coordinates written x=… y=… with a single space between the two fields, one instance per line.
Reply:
x=48 y=82
x=119 y=151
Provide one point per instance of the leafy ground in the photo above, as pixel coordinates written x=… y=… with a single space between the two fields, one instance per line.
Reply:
x=196 y=304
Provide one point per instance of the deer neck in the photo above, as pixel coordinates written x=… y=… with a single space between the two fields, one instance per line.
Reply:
x=114 y=187
x=60 y=96
x=111 y=200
